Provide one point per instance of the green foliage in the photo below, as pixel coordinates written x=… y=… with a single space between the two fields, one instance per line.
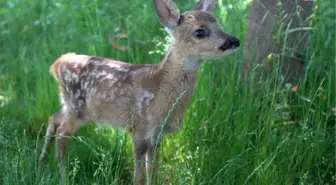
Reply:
x=230 y=135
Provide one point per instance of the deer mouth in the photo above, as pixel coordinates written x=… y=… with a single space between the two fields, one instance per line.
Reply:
x=230 y=43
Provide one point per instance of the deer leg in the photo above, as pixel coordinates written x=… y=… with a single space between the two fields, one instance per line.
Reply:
x=140 y=148
x=66 y=129
x=54 y=121
x=152 y=158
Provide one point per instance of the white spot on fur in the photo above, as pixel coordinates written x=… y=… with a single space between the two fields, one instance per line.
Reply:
x=117 y=66
x=77 y=94
x=143 y=99
x=86 y=85
x=80 y=103
x=93 y=91
x=102 y=73
x=109 y=76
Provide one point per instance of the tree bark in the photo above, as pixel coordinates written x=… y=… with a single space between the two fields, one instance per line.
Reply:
x=277 y=40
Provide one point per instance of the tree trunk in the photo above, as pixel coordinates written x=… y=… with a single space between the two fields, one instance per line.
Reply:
x=277 y=40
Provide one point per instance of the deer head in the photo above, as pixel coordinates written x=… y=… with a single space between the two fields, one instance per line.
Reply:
x=196 y=34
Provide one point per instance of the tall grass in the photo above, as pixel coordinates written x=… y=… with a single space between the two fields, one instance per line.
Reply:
x=230 y=135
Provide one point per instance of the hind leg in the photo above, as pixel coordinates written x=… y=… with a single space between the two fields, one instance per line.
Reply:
x=54 y=121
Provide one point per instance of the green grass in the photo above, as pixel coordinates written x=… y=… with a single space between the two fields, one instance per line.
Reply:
x=230 y=135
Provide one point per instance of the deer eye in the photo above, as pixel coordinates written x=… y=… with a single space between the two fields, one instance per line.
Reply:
x=201 y=33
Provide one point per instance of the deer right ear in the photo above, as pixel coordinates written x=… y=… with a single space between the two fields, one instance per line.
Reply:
x=167 y=12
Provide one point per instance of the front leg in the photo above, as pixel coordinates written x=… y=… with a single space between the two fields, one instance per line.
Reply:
x=140 y=148
x=152 y=159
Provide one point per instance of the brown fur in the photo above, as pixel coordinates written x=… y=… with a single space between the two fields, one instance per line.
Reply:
x=148 y=100
x=199 y=16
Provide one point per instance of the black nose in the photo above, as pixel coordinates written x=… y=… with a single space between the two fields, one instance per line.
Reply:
x=230 y=43
x=235 y=42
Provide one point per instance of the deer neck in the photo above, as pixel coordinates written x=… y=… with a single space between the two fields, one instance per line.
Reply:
x=176 y=63
x=180 y=70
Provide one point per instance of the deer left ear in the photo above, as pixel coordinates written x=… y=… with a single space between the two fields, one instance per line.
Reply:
x=206 y=5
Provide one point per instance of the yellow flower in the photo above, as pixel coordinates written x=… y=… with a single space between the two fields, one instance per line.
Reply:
x=269 y=56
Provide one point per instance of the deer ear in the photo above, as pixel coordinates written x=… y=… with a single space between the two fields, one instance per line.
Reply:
x=206 y=5
x=167 y=12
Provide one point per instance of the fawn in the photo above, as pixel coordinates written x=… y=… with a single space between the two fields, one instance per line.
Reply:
x=138 y=97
